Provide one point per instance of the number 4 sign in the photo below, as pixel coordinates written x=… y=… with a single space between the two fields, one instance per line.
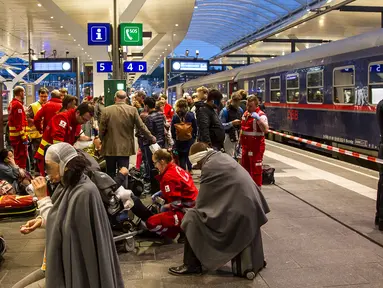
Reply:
x=135 y=67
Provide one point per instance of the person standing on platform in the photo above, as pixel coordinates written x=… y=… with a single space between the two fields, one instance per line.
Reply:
x=254 y=126
x=139 y=97
x=379 y=197
x=210 y=128
x=231 y=120
x=201 y=98
x=243 y=94
x=33 y=133
x=63 y=92
x=64 y=127
x=46 y=113
x=17 y=123
x=168 y=109
x=117 y=126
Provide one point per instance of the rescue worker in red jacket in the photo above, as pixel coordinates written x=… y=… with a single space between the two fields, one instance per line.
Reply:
x=178 y=191
x=17 y=123
x=254 y=126
x=168 y=109
x=64 y=127
x=46 y=113
x=34 y=135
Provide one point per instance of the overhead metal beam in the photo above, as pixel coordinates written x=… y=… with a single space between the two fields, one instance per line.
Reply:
x=368 y=9
x=353 y=8
x=250 y=55
x=41 y=78
x=295 y=41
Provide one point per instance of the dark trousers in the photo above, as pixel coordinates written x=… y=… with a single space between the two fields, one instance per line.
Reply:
x=148 y=162
x=32 y=149
x=183 y=158
x=190 y=259
x=140 y=210
x=379 y=197
x=115 y=162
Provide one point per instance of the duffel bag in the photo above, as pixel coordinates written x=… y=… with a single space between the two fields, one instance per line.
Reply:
x=267 y=175
x=14 y=205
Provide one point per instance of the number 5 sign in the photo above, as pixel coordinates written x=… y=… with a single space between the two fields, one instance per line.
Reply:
x=131 y=34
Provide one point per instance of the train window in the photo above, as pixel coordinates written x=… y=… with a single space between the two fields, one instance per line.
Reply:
x=315 y=86
x=344 y=85
x=292 y=87
x=275 y=89
x=260 y=89
x=375 y=82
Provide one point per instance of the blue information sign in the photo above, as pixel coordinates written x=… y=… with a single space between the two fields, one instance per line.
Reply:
x=104 y=66
x=99 y=33
x=135 y=67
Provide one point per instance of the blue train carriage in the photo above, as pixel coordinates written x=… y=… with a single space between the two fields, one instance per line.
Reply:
x=328 y=92
x=222 y=81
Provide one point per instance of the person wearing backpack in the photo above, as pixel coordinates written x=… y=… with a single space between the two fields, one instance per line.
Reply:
x=184 y=132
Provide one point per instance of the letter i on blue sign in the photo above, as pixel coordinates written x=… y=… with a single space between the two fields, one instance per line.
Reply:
x=98 y=33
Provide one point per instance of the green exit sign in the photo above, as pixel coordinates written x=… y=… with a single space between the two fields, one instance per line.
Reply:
x=131 y=34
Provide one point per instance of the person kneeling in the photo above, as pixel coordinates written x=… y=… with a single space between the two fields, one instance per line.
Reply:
x=178 y=191
x=229 y=211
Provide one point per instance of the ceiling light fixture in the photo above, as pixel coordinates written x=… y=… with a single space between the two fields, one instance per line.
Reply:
x=61 y=27
x=195 y=7
x=39 y=4
x=69 y=34
x=74 y=40
x=51 y=17
x=176 y=25
x=168 y=45
x=174 y=34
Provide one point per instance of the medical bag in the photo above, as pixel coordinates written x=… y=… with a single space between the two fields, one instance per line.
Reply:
x=267 y=175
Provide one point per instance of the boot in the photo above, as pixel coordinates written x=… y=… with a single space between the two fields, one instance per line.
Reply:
x=185 y=270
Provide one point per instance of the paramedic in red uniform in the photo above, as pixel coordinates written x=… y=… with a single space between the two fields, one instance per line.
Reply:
x=168 y=109
x=254 y=126
x=46 y=113
x=178 y=191
x=64 y=127
x=17 y=123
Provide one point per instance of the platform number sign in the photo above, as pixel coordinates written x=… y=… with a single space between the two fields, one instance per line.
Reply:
x=135 y=67
x=99 y=34
x=104 y=67
x=131 y=34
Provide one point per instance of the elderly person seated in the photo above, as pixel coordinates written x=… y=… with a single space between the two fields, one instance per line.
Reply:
x=226 y=220
x=11 y=173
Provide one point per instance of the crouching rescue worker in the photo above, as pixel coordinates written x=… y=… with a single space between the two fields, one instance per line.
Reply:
x=254 y=126
x=229 y=212
x=64 y=127
x=178 y=191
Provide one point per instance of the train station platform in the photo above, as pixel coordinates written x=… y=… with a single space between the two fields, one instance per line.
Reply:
x=320 y=233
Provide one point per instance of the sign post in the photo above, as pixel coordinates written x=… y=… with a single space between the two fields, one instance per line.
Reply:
x=131 y=34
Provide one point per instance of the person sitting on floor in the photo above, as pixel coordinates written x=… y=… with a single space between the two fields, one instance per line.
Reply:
x=229 y=211
x=10 y=172
x=178 y=191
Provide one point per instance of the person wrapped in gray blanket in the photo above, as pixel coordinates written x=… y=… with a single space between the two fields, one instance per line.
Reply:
x=92 y=259
x=229 y=211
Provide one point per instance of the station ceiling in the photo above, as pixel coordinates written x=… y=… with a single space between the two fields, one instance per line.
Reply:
x=61 y=25
x=334 y=25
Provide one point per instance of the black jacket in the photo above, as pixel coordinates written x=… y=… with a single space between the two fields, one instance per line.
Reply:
x=155 y=123
x=210 y=128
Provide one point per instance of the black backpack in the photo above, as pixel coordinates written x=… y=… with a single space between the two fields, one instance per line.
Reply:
x=268 y=175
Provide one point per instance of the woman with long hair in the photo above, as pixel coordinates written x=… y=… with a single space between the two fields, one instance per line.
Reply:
x=69 y=102
x=184 y=132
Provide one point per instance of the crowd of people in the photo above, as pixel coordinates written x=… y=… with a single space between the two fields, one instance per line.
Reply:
x=199 y=132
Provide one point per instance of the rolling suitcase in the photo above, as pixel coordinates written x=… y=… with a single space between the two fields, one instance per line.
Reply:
x=14 y=205
x=251 y=260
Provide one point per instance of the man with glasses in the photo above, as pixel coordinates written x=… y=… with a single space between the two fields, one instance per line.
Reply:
x=64 y=127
